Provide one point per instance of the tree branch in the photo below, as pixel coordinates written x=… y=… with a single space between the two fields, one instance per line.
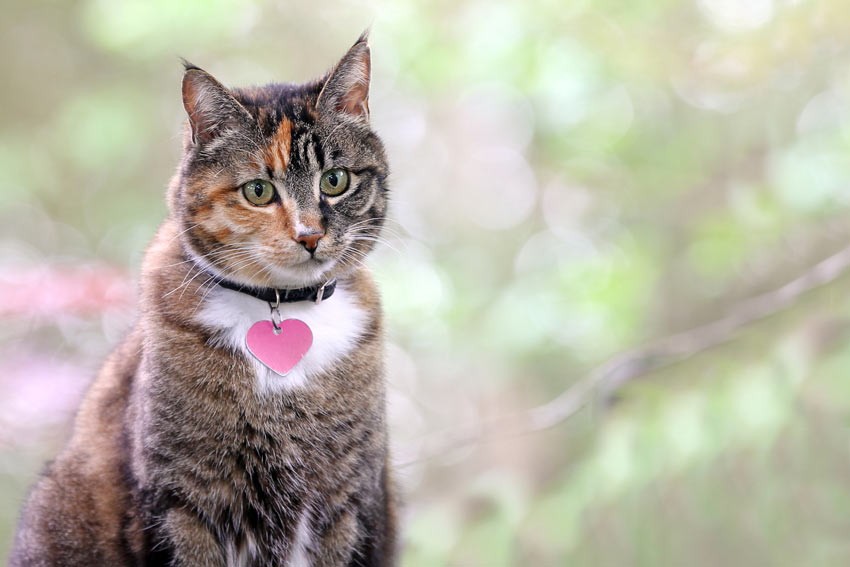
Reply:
x=624 y=367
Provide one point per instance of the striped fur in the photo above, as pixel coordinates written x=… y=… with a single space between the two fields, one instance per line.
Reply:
x=185 y=451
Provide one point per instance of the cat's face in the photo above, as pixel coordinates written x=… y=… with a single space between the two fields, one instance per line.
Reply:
x=282 y=185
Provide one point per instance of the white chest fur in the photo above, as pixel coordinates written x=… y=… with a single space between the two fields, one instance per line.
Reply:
x=336 y=324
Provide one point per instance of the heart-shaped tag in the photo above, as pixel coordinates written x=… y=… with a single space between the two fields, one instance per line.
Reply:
x=282 y=351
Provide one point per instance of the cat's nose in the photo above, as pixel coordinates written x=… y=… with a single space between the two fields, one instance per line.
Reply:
x=310 y=240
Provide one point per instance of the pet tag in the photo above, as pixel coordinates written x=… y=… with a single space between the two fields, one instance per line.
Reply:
x=281 y=350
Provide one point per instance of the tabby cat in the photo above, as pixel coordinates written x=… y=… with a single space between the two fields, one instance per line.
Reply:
x=195 y=446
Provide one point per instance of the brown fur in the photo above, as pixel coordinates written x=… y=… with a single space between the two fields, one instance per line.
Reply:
x=175 y=458
x=278 y=155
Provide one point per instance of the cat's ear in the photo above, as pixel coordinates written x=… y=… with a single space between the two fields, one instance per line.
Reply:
x=347 y=86
x=210 y=106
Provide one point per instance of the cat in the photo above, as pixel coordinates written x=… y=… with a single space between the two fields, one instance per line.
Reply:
x=188 y=449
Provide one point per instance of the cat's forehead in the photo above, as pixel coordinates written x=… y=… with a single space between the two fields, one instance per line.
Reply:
x=296 y=136
x=280 y=102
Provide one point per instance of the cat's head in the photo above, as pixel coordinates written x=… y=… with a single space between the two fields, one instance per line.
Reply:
x=281 y=185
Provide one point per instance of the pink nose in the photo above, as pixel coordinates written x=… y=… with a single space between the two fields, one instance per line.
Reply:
x=309 y=240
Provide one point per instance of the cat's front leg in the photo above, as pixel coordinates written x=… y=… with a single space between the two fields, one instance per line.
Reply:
x=352 y=540
x=191 y=543
x=337 y=541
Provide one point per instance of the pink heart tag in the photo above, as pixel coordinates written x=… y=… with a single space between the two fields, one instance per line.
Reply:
x=279 y=352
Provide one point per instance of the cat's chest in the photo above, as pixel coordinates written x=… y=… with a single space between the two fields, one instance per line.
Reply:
x=335 y=324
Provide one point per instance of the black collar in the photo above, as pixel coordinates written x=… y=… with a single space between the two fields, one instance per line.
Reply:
x=316 y=293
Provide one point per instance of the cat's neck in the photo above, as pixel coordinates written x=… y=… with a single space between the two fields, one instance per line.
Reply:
x=177 y=290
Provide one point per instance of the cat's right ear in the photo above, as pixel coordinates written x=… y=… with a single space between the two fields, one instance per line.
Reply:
x=210 y=106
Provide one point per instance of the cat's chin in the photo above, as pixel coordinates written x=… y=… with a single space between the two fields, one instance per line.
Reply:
x=310 y=272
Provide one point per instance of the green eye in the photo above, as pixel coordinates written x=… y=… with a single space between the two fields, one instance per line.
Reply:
x=334 y=182
x=259 y=192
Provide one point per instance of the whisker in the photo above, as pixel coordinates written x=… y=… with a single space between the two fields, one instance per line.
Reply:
x=185 y=284
x=200 y=271
x=212 y=253
x=377 y=240
x=217 y=279
x=184 y=231
x=193 y=267
x=374 y=230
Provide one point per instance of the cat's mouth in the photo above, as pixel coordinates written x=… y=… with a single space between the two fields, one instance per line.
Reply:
x=311 y=263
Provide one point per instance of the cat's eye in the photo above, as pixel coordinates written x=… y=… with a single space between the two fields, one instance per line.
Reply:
x=334 y=182
x=259 y=192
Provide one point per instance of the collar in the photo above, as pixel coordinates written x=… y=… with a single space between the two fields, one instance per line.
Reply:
x=271 y=295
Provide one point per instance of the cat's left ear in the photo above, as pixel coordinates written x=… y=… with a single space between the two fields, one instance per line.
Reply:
x=346 y=89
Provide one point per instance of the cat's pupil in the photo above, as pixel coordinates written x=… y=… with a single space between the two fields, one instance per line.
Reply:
x=258 y=190
x=332 y=179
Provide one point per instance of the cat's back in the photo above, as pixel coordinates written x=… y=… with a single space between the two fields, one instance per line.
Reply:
x=84 y=492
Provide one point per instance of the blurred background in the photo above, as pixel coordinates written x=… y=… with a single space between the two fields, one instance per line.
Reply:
x=573 y=180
